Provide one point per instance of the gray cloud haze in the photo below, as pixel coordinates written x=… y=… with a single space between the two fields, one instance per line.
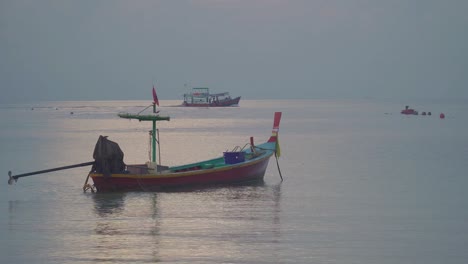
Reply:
x=259 y=49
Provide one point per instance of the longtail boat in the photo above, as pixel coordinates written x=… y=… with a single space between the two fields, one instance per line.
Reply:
x=110 y=173
x=247 y=164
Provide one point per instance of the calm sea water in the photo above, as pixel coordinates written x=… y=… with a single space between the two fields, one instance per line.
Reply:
x=362 y=184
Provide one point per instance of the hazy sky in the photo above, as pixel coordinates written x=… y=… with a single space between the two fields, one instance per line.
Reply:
x=259 y=49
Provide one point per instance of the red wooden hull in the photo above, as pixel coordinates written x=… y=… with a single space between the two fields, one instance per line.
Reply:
x=250 y=171
x=223 y=103
x=409 y=112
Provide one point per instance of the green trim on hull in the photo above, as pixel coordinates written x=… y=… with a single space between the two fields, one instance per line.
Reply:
x=144 y=117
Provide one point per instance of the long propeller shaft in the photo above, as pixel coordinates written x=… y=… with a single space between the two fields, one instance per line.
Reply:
x=15 y=177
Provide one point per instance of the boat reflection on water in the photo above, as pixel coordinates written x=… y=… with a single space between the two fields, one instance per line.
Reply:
x=108 y=203
x=127 y=228
x=218 y=223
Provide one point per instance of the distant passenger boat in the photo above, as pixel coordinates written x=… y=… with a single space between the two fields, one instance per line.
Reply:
x=201 y=97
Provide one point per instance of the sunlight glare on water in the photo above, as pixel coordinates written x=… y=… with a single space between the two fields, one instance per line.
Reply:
x=363 y=184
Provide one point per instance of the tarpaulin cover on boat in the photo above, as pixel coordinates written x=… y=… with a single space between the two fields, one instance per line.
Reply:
x=108 y=157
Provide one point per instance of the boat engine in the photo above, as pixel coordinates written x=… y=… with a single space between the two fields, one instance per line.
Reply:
x=108 y=157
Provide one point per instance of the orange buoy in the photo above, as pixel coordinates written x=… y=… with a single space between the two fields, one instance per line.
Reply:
x=442 y=116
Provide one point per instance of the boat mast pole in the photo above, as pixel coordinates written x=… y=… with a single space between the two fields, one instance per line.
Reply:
x=153 y=135
x=154 y=117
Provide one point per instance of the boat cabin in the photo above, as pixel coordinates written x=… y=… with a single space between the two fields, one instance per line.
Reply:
x=202 y=96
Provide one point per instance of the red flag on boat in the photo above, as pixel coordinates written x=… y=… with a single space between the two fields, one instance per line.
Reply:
x=155 y=97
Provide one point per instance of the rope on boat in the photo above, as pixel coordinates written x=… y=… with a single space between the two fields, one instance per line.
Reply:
x=157 y=141
x=238 y=148
x=149 y=145
x=159 y=147
x=142 y=186
x=277 y=164
x=88 y=186
x=145 y=109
